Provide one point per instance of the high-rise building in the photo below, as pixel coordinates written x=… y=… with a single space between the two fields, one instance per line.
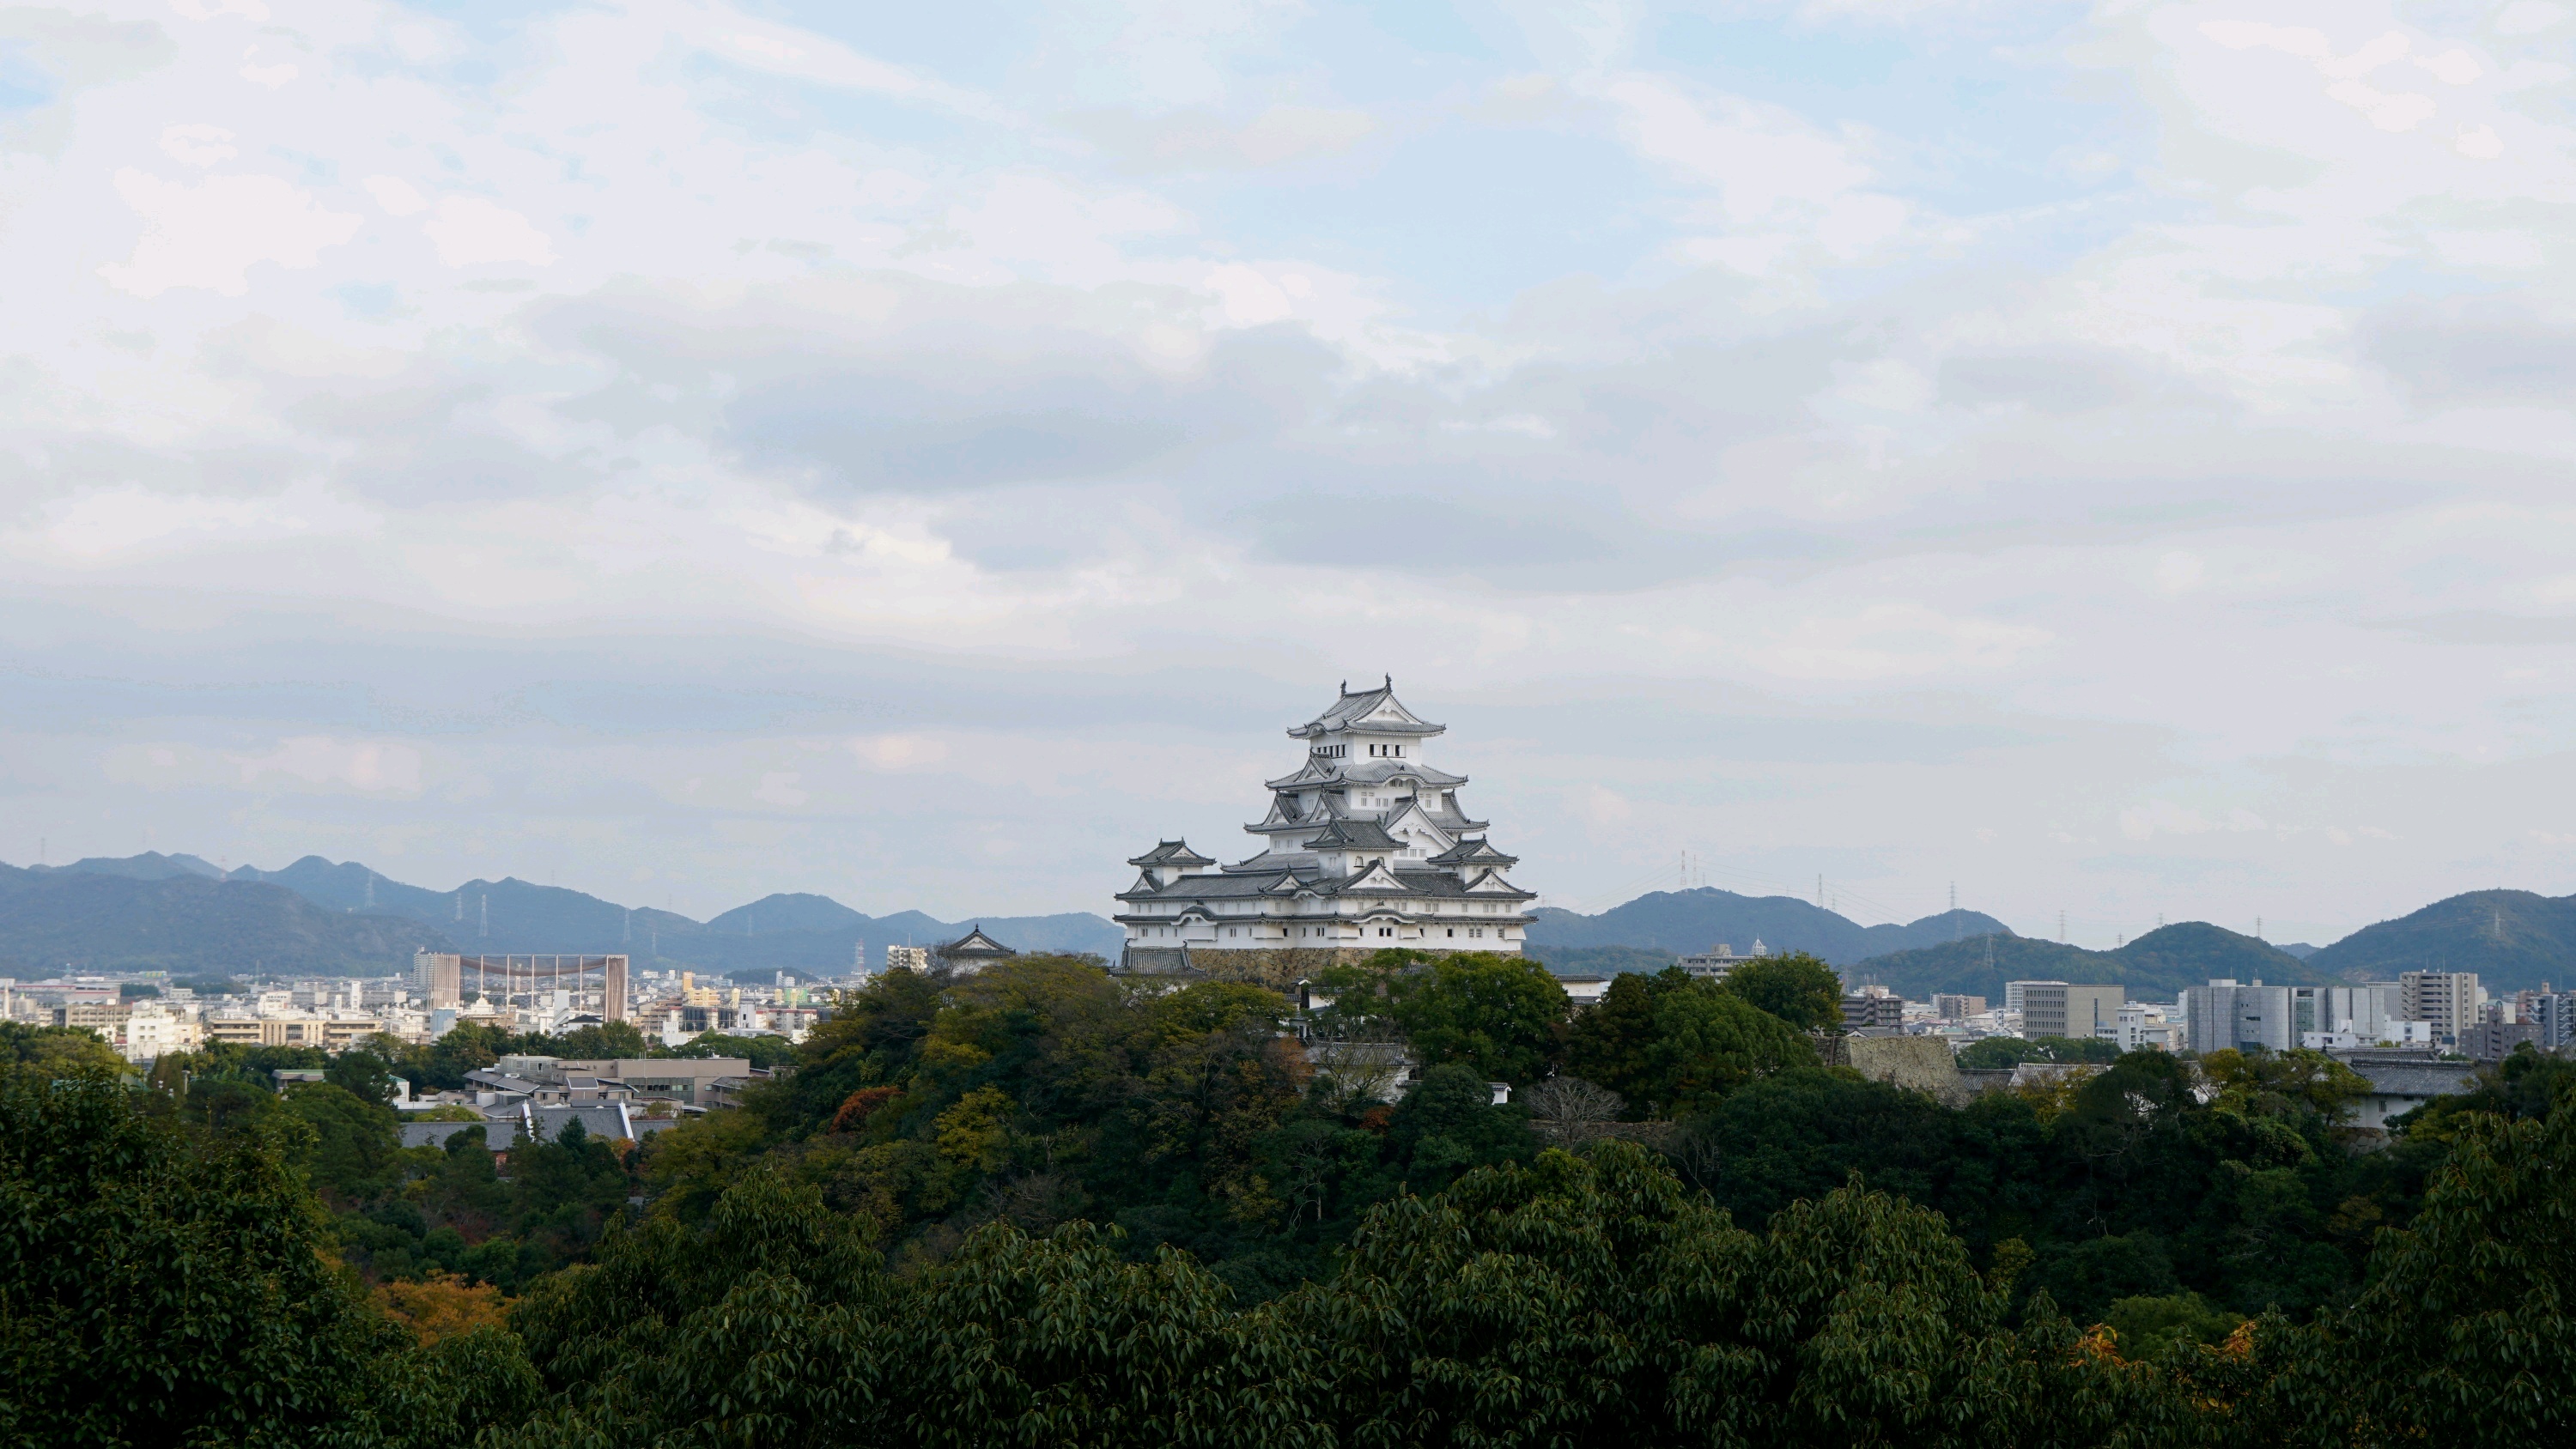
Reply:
x=1953 y=1007
x=1365 y=846
x=2016 y=991
x=2446 y=999
x=2053 y=1008
x=2224 y=1015
x=1872 y=1006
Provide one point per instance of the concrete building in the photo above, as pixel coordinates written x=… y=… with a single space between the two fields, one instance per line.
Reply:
x=2225 y=1015
x=1953 y=1007
x=1873 y=1006
x=2447 y=999
x=153 y=1030
x=1365 y=846
x=2015 y=991
x=2554 y=1013
x=907 y=958
x=552 y=987
x=676 y=1079
x=2053 y=1008
x=1719 y=959
x=2493 y=1041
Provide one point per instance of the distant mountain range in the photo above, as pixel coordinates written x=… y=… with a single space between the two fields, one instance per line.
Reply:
x=2514 y=940
x=1683 y=922
x=2154 y=967
x=184 y=914
x=183 y=922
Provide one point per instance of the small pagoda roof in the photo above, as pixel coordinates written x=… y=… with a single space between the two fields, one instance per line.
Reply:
x=1374 y=710
x=1477 y=851
x=1171 y=852
x=973 y=946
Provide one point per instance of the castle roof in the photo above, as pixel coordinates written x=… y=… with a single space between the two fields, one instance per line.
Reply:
x=1171 y=852
x=1354 y=835
x=973 y=946
x=1478 y=851
x=1319 y=772
x=1409 y=877
x=1375 y=710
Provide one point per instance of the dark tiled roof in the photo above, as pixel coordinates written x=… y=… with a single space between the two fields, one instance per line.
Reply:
x=1474 y=852
x=1171 y=852
x=1348 y=710
x=974 y=946
x=1157 y=961
x=2412 y=1079
x=1354 y=835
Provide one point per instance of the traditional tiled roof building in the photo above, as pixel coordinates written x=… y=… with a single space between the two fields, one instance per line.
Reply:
x=971 y=952
x=1365 y=846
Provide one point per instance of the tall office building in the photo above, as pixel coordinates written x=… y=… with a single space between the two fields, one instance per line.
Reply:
x=2225 y=1015
x=2053 y=1008
x=2447 y=999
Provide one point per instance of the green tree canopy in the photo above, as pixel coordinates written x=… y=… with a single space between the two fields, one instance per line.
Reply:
x=1795 y=987
x=1994 y=1052
x=1493 y=1013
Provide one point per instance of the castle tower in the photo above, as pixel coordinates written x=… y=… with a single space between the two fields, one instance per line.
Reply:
x=1364 y=846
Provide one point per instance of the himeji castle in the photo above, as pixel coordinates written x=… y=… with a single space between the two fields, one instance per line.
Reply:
x=1365 y=846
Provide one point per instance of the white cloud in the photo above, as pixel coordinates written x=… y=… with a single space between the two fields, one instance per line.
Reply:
x=899 y=752
x=272 y=75
x=397 y=196
x=2164 y=817
x=211 y=234
x=2509 y=250
x=367 y=766
x=198 y=144
x=469 y=232
x=216 y=9
x=2528 y=17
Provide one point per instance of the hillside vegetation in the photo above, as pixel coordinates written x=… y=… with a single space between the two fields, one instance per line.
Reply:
x=2514 y=940
x=186 y=924
x=1683 y=922
x=2154 y=967
x=1039 y=1206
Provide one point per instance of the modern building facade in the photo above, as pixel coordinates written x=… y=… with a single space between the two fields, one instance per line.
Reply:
x=569 y=983
x=1721 y=958
x=1365 y=846
x=2446 y=999
x=2053 y=1008
x=2226 y=1016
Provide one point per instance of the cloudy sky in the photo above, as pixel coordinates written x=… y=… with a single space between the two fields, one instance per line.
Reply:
x=2115 y=460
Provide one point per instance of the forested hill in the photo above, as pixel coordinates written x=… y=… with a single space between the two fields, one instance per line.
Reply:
x=2154 y=967
x=187 y=922
x=2514 y=940
x=1682 y=922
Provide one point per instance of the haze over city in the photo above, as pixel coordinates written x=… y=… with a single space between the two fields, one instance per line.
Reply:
x=2112 y=459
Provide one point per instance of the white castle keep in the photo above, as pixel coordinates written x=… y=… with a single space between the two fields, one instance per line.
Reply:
x=1364 y=847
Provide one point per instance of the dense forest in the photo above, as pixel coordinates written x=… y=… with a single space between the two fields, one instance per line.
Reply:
x=1043 y=1205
